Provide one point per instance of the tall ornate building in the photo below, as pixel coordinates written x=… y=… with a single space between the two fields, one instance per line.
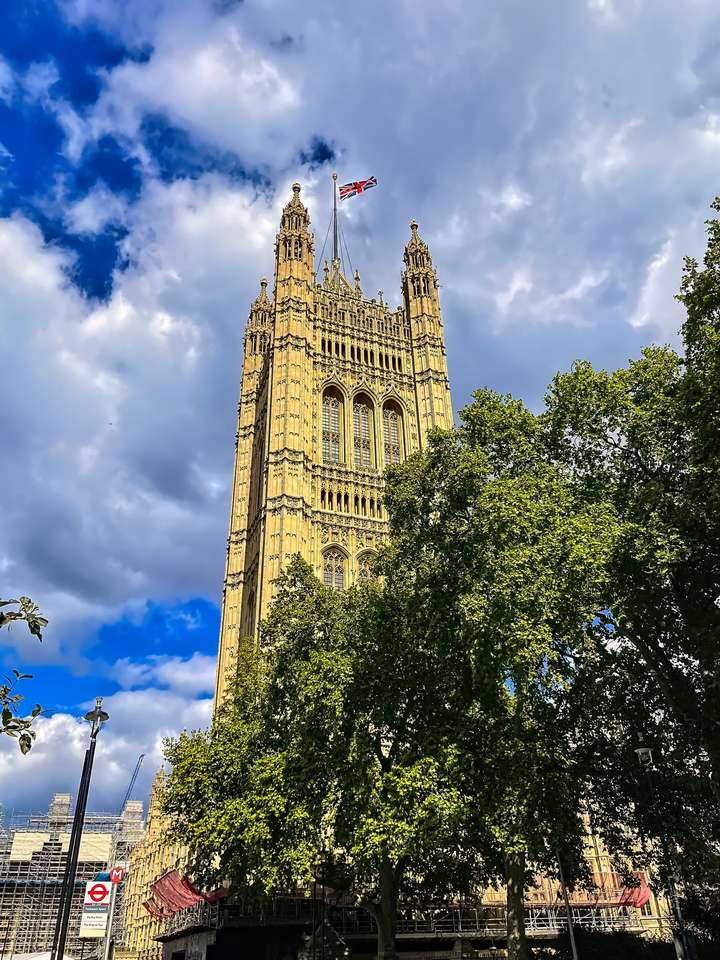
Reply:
x=335 y=387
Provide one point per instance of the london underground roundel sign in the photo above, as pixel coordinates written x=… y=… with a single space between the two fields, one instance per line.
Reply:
x=97 y=892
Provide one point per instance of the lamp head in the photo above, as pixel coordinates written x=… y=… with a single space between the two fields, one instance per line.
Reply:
x=97 y=716
x=645 y=757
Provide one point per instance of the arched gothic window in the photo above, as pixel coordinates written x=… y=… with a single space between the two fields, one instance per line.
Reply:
x=298 y=249
x=250 y=613
x=392 y=434
x=362 y=433
x=332 y=427
x=334 y=570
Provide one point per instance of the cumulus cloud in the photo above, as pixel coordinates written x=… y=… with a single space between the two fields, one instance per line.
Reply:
x=139 y=721
x=560 y=161
x=121 y=415
x=528 y=142
x=546 y=190
x=192 y=677
x=92 y=213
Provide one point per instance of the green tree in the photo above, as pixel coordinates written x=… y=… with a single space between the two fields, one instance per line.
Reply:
x=506 y=567
x=12 y=724
x=645 y=441
x=336 y=743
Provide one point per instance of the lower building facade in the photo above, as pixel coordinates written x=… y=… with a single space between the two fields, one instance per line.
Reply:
x=33 y=855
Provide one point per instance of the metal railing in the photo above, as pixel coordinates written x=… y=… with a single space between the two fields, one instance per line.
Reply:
x=350 y=921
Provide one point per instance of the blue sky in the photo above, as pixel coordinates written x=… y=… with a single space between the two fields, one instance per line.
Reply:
x=559 y=157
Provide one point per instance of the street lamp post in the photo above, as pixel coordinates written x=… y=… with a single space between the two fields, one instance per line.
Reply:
x=95 y=718
x=681 y=939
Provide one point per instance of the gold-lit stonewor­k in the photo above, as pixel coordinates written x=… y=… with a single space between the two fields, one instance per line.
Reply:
x=335 y=386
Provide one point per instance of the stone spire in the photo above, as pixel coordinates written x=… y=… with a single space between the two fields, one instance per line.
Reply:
x=259 y=326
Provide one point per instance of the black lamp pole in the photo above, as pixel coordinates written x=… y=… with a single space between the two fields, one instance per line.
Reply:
x=681 y=938
x=95 y=718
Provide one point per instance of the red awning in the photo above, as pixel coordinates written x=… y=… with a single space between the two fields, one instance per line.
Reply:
x=172 y=893
x=156 y=910
x=635 y=896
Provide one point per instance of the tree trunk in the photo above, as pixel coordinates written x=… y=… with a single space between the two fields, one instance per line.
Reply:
x=385 y=913
x=515 y=879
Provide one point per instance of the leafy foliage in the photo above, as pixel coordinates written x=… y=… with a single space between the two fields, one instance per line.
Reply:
x=329 y=750
x=645 y=440
x=505 y=565
x=12 y=724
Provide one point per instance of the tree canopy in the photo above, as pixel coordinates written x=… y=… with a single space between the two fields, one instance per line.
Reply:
x=330 y=751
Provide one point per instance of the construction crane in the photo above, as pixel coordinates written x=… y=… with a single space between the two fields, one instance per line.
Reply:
x=134 y=777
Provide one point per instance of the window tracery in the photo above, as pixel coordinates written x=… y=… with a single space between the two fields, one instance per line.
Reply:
x=334 y=569
x=364 y=567
x=392 y=434
x=362 y=433
x=332 y=427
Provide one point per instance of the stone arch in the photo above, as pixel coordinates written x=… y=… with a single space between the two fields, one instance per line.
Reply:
x=335 y=564
x=333 y=421
x=364 y=416
x=363 y=564
x=393 y=431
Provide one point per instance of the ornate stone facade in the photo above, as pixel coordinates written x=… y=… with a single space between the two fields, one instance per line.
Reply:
x=335 y=387
x=150 y=859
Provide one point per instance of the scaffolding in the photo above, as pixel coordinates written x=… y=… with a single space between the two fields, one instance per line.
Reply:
x=33 y=854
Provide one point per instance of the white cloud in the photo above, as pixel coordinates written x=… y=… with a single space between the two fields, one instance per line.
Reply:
x=74 y=127
x=520 y=283
x=202 y=73
x=93 y=212
x=606 y=152
x=577 y=291
x=545 y=306
x=39 y=78
x=190 y=677
x=121 y=416
x=656 y=305
x=511 y=199
x=604 y=8
x=139 y=721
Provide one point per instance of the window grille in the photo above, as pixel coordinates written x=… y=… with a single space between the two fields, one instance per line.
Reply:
x=361 y=434
x=331 y=423
x=334 y=570
x=391 y=428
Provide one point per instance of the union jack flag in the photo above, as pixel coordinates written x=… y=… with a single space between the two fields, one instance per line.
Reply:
x=357 y=186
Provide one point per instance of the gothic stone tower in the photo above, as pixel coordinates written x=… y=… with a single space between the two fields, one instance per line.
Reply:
x=334 y=388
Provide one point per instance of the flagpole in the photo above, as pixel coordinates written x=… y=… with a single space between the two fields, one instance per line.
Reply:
x=335 y=229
